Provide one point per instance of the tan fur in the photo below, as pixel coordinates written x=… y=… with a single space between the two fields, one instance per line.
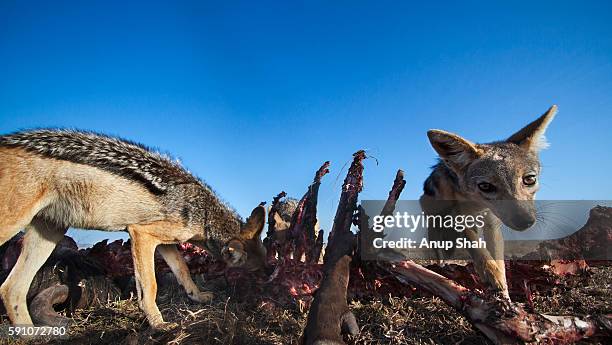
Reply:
x=46 y=195
x=95 y=199
x=488 y=179
x=249 y=241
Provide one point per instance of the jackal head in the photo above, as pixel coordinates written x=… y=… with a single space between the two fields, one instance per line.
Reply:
x=247 y=250
x=502 y=176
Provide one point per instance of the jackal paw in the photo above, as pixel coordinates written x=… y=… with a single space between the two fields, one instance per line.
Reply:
x=164 y=326
x=495 y=277
x=202 y=296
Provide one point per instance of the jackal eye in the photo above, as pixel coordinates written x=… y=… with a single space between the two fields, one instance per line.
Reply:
x=530 y=180
x=486 y=187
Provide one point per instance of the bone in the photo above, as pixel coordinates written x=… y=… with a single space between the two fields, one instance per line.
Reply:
x=298 y=237
x=303 y=230
x=398 y=186
x=329 y=315
x=352 y=186
x=502 y=321
x=273 y=214
x=309 y=219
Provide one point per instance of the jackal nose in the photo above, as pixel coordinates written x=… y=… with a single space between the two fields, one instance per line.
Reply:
x=522 y=223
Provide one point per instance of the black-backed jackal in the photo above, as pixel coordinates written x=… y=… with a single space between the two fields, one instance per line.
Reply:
x=54 y=179
x=498 y=180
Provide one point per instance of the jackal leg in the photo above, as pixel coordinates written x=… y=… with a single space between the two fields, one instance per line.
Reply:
x=38 y=243
x=177 y=264
x=143 y=251
x=487 y=268
x=495 y=246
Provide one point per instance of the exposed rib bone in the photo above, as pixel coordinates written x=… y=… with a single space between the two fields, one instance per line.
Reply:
x=329 y=315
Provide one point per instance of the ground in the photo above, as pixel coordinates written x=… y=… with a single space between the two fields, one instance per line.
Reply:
x=386 y=320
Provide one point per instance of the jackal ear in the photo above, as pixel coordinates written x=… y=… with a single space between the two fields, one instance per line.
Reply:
x=281 y=224
x=254 y=224
x=531 y=137
x=452 y=148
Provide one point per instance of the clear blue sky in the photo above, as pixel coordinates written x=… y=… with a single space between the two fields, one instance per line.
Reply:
x=254 y=96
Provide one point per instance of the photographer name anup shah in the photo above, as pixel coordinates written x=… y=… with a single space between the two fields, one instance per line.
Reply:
x=408 y=243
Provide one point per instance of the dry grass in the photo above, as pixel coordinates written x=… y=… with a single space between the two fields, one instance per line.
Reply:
x=389 y=320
